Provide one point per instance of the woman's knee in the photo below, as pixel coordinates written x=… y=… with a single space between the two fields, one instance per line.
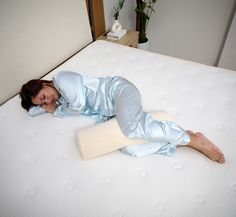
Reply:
x=131 y=131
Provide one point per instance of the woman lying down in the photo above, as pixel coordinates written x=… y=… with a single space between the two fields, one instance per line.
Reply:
x=70 y=93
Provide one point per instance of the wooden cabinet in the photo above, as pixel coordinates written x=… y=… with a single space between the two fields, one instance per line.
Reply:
x=130 y=39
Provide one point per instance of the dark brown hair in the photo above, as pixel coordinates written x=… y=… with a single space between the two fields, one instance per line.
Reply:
x=29 y=90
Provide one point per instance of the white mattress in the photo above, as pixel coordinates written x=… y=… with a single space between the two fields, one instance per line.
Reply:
x=42 y=172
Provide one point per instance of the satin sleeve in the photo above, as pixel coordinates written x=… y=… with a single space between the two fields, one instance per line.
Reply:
x=65 y=111
x=71 y=87
x=36 y=110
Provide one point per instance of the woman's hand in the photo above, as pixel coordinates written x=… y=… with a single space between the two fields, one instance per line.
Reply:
x=51 y=107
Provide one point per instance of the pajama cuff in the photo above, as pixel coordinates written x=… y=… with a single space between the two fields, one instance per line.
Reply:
x=186 y=139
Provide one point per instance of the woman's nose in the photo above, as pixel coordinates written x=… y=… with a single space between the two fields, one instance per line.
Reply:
x=46 y=101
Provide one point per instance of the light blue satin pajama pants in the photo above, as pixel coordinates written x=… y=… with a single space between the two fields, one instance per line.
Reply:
x=162 y=136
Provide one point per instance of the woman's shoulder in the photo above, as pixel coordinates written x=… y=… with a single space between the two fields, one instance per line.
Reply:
x=67 y=80
x=66 y=75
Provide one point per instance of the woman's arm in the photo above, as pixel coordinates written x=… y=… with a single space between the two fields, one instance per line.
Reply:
x=71 y=87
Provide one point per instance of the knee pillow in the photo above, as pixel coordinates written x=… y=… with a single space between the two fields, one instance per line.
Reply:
x=107 y=137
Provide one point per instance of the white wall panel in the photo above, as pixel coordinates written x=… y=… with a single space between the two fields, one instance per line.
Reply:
x=36 y=36
x=228 y=57
x=189 y=29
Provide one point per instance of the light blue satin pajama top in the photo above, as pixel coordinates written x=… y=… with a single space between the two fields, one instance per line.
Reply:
x=104 y=98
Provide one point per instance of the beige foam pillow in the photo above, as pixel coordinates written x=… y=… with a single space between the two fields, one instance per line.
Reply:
x=107 y=137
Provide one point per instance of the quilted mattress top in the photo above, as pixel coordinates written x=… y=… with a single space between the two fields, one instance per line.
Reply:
x=42 y=172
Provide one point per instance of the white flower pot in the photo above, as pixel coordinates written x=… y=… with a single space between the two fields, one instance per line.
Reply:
x=143 y=46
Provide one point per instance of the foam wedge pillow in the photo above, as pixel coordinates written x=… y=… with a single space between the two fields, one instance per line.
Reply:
x=107 y=137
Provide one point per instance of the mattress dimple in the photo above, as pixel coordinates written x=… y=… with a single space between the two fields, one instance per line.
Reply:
x=40 y=164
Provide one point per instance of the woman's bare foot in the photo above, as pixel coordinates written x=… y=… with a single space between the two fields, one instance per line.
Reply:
x=199 y=142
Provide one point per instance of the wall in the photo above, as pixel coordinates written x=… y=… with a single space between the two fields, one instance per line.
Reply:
x=188 y=29
x=228 y=57
x=127 y=14
x=31 y=32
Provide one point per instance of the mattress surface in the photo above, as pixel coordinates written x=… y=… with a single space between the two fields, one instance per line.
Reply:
x=42 y=173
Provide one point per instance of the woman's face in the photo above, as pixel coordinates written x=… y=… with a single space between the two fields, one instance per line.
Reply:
x=45 y=96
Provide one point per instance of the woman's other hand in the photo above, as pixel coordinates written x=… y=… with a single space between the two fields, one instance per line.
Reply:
x=51 y=107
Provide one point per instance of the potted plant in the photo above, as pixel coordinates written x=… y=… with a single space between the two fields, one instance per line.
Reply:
x=116 y=12
x=144 y=10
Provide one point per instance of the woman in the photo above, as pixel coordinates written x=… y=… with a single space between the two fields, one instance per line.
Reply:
x=70 y=93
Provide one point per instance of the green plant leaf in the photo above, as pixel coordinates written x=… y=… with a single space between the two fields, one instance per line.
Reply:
x=144 y=11
x=151 y=8
x=143 y=5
